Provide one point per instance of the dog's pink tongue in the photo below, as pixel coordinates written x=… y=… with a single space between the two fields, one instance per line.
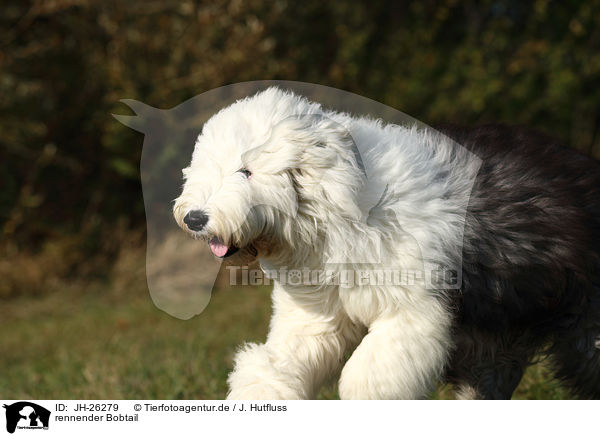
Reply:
x=217 y=247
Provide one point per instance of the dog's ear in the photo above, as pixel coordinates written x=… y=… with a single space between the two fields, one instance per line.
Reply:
x=333 y=145
x=331 y=168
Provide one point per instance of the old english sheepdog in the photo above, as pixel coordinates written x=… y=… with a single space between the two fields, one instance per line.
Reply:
x=511 y=218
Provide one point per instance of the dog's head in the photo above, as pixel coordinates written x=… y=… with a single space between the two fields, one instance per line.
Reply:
x=265 y=173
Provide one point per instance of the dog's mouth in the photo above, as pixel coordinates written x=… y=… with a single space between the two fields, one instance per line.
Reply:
x=222 y=250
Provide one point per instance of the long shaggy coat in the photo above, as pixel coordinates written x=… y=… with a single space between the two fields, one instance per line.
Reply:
x=513 y=216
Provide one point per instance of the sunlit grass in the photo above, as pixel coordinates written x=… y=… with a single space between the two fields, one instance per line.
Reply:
x=95 y=343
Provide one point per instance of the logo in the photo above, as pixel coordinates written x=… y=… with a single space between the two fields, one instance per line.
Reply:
x=181 y=273
x=26 y=415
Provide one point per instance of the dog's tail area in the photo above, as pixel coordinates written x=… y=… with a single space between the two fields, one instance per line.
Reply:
x=576 y=351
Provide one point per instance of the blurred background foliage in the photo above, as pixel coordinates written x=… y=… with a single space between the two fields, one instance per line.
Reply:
x=69 y=171
x=71 y=210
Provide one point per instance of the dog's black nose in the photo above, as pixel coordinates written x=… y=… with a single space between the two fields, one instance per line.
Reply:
x=195 y=220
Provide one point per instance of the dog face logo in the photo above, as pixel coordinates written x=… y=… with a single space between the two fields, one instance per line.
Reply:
x=269 y=169
x=26 y=415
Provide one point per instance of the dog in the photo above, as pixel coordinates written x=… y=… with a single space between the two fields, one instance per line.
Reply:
x=512 y=216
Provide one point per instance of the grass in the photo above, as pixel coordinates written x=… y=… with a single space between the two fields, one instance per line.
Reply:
x=93 y=342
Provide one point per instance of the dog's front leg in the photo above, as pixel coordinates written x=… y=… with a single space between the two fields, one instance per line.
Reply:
x=305 y=347
x=401 y=357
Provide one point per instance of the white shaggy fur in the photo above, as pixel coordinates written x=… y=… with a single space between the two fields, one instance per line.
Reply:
x=311 y=203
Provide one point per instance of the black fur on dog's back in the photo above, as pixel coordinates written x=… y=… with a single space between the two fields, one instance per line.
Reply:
x=531 y=263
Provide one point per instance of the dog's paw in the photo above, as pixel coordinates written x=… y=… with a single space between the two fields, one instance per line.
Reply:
x=255 y=377
x=254 y=391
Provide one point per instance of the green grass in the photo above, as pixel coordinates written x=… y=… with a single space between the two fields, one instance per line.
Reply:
x=103 y=344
